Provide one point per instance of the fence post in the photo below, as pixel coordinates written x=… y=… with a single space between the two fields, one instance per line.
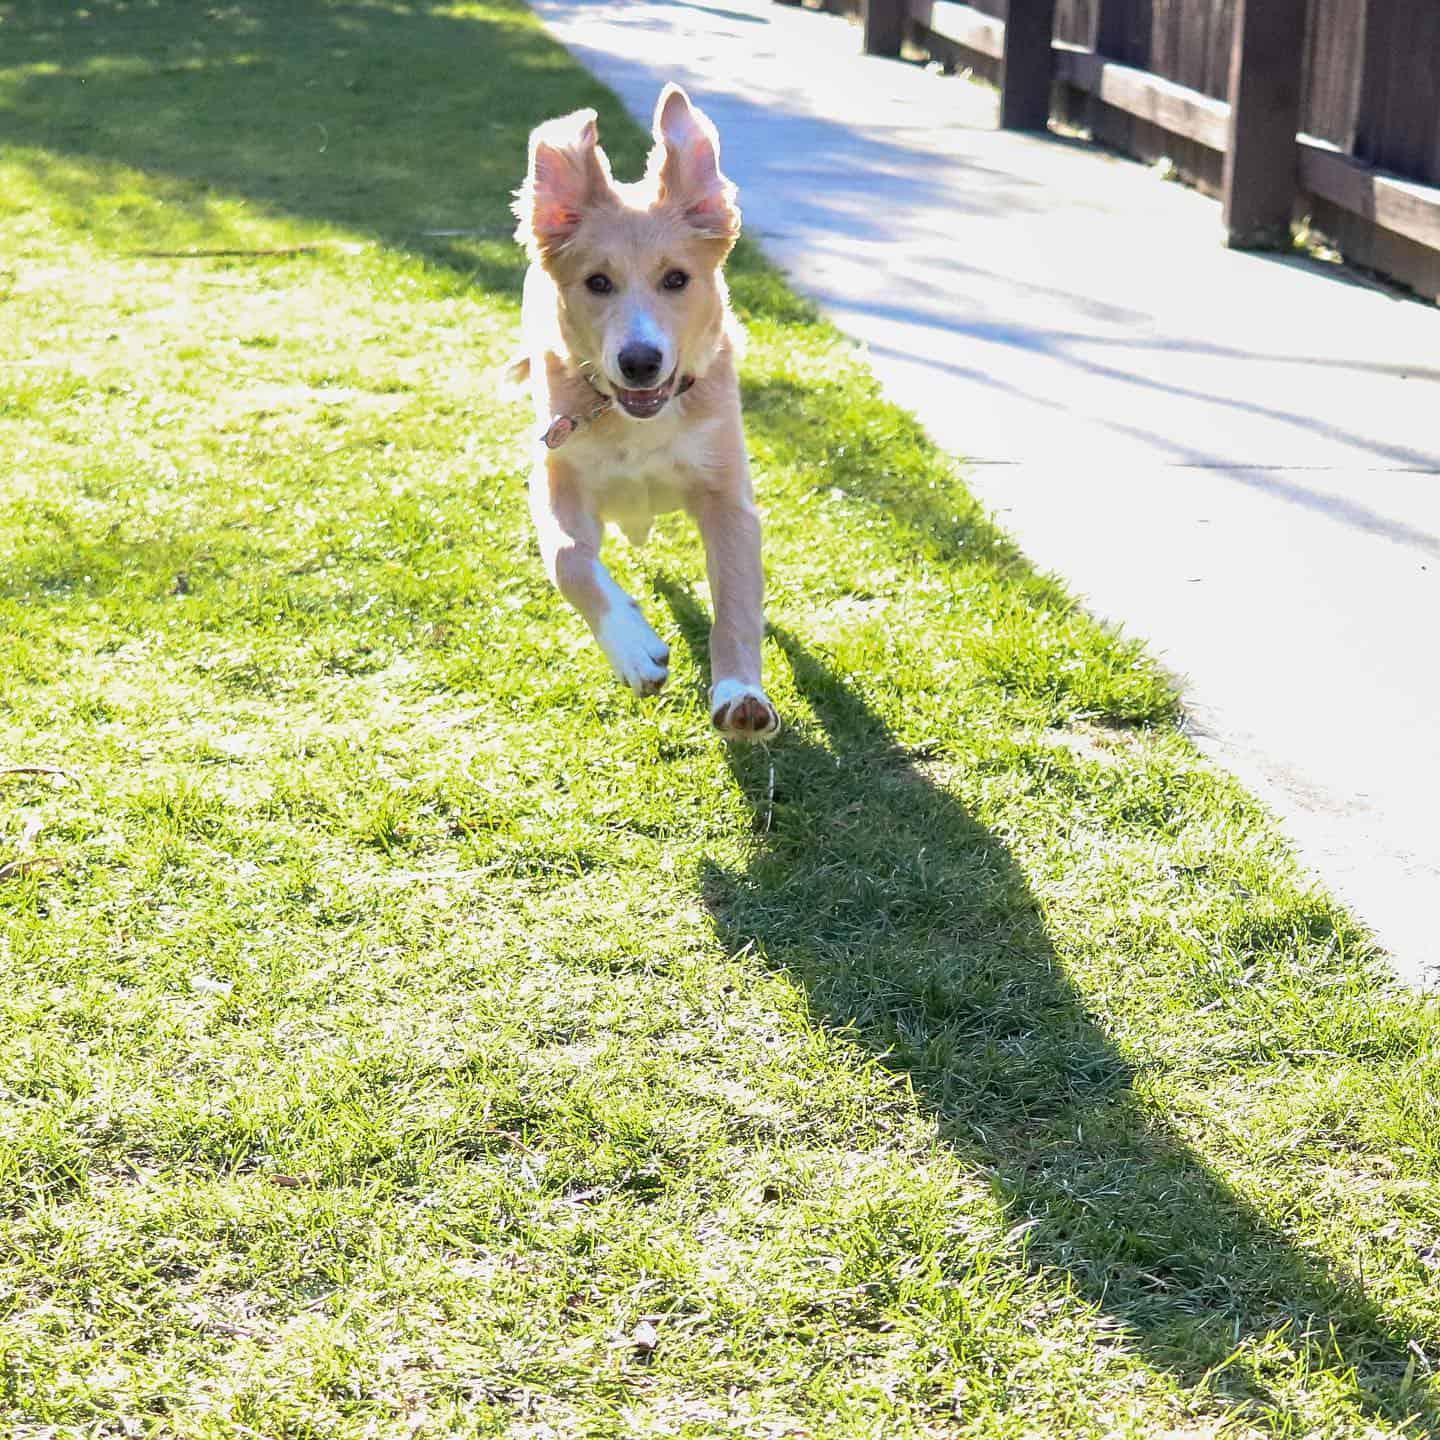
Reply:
x=1027 y=65
x=884 y=26
x=1262 y=163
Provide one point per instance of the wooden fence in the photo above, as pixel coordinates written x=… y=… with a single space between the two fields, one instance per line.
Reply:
x=1325 y=108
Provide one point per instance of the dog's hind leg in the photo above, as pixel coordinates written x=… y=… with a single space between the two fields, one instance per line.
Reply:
x=570 y=546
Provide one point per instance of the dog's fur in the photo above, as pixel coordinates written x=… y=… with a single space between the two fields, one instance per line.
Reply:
x=662 y=448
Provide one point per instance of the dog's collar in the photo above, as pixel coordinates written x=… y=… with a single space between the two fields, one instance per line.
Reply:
x=562 y=427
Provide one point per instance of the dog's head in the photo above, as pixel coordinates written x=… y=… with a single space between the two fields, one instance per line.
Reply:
x=637 y=267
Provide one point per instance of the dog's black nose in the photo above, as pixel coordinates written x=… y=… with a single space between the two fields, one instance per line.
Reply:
x=640 y=365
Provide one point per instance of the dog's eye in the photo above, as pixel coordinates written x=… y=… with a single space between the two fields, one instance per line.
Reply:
x=675 y=280
x=598 y=284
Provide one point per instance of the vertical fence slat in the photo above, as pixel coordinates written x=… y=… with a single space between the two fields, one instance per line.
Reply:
x=1262 y=164
x=1027 y=67
x=1112 y=29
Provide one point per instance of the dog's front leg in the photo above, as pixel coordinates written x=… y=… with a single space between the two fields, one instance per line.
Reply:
x=570 y=545
x=730 y=528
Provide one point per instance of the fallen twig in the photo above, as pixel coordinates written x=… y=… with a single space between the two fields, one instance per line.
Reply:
x=37 y=770
x=290 y=1182
x=28 y=865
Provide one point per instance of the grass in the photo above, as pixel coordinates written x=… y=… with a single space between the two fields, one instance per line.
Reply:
x=404 y=1032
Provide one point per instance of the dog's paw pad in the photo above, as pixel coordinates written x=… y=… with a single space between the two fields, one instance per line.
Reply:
x=742 y=712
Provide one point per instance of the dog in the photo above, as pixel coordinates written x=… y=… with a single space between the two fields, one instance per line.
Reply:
x=631 y=348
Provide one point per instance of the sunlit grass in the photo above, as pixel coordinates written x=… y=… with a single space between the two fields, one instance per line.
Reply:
x=403 y=1031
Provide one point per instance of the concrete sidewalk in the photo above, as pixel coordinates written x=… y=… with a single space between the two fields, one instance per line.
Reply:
x=1236 y=457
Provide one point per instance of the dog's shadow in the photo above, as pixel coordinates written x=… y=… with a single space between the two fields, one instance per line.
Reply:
x=911 y=927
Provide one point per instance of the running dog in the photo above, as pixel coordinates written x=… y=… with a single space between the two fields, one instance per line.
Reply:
x=631 y=354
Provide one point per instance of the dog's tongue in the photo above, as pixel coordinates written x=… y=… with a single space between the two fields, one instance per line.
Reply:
x=645 y=403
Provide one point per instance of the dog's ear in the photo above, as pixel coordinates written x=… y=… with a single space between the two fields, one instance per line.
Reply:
x=568 y=173
x=687 y=155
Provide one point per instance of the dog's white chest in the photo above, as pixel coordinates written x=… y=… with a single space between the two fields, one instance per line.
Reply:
x=646 y=469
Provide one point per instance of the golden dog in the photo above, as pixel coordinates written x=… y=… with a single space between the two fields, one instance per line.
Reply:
x=630 y=346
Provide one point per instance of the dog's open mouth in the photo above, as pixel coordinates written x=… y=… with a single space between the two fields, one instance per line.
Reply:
x=645 y=404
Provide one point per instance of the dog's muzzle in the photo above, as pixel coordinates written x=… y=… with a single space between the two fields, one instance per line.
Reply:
x=633 y=402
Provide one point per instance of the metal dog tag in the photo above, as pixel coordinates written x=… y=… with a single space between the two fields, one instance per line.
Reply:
x=562 y=427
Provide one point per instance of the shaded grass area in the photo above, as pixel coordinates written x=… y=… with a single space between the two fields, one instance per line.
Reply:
x=404 y=1032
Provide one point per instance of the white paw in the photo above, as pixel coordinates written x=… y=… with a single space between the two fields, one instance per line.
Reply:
x=742 y=712
x=635 y=652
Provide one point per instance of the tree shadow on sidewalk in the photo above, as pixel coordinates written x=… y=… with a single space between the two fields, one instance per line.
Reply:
x=912 y=928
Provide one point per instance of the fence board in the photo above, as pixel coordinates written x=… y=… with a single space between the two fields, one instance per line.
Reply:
x=1398 y=126
x=1160 y=103
x=1331 y=102
x=1075 y=21
x=966 y=26
x=1403 y=206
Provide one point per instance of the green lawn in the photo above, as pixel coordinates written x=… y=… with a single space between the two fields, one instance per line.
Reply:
x=405 y=1032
